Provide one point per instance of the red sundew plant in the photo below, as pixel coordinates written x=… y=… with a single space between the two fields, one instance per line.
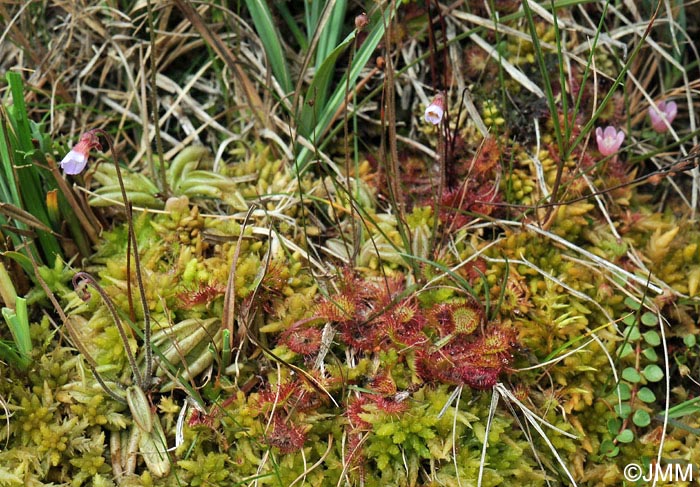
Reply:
x=285 y=435
x=302 y=340
x=471 y=184
x=448 y=342
x=204 y=295
x=277 y=394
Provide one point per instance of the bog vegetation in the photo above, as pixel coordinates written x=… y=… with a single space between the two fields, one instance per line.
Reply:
x=342 y=243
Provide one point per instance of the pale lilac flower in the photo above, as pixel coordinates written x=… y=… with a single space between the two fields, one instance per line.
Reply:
x=666 y=112
x=76 y=160
x=434 y=112
x=609 y=140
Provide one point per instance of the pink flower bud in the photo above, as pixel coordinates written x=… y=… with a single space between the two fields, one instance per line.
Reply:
x=609 y=140
x=76 y=160
x=666 y=113
x=361 y=21
x=434 y=112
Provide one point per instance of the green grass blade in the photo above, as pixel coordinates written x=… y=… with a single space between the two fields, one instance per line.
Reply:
x=269 y=35
x=18 y=322
x=315 y=94
x=362 y=57
x=19 y=148
x=293 y=26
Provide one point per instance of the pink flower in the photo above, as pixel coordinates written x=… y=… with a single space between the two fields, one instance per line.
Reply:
x=609 y=140
x=76 y=160
x=666 y=113
x=434 y=112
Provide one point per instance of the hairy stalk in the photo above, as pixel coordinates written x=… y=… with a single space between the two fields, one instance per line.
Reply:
x=82 y=279
x=346 y=147
x=154 y=106
x=137 y=263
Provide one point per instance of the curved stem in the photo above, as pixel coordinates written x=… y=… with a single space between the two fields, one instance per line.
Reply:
x=145 y=381
x=83 y=278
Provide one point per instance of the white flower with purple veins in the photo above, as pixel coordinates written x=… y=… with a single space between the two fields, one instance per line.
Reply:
x=664 y=112
x=76 y=160
x=609 y=140
x=436 y=109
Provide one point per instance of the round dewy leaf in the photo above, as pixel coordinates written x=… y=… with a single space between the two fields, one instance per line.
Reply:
x=632 y=333
x=690 y=341
x=608 y=448
x=614 y=425
x=625 y=350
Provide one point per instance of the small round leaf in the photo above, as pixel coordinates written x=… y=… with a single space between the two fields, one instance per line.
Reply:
x=650 y=354
x=690 y=341
x=650 y=319
x=652 y=338
x=608 y=448
x=623 y=411
x=646 y=395
x=625 y=350
x=625 y=436
x=632 y=333
x=653 y=373
x=623 y=391
x=614 y=426
x=630 y=374
x=641 y=418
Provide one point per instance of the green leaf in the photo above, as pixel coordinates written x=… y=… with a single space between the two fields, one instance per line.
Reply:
x=650 y=354
x=609 y=449
x=646 y=395
x=653 y=373
x=270 y=37
x=641 y=418
x=623 y=410
x=625 y=350
x=625 y=436
x=614 y=426
x=632 y=303
x=360 y=60
x=650 y=319
x=631 y=374
x=691 y=406
x=689 y=341
x=624 y=392
x=652 y=338
x=314 y=106
x=632 y=333
x=630 y=319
